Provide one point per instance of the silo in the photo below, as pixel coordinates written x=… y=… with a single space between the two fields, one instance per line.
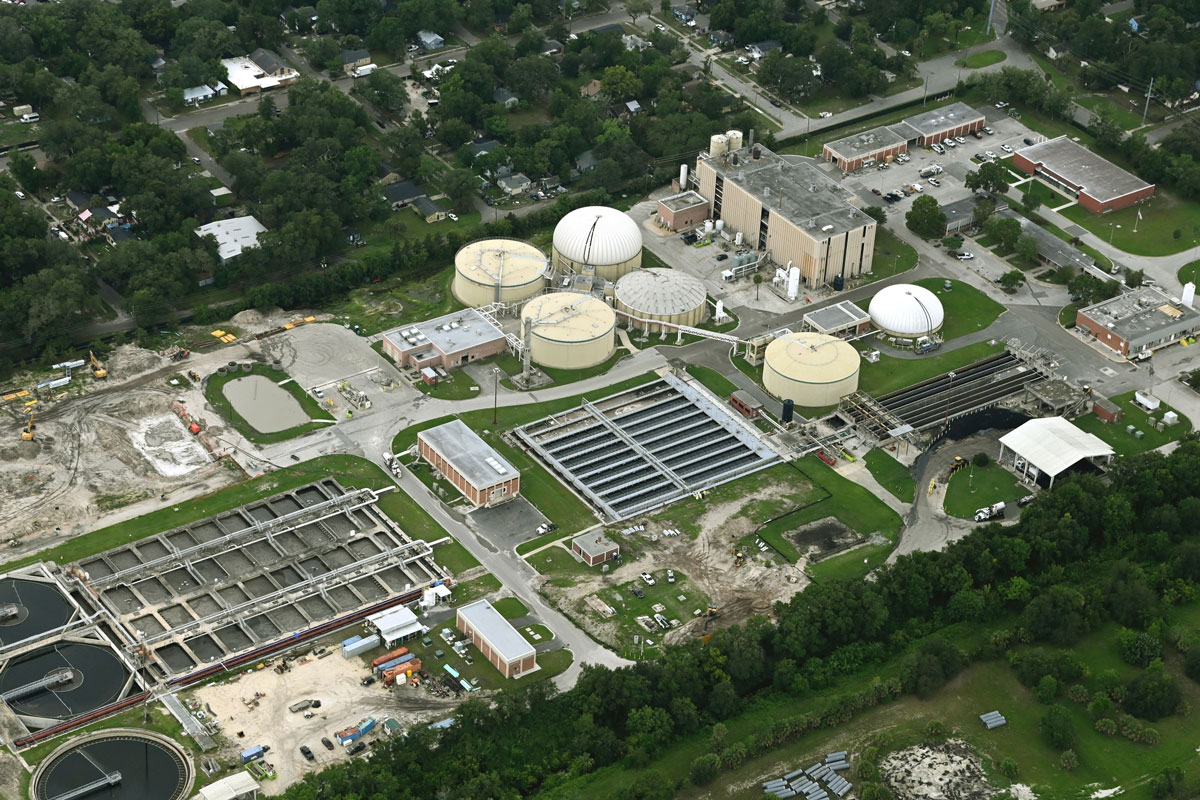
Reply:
x=735 y=140
x=718 y=143
x=566 y=330
x=597 y=240
x=811 y=369
x=660 y=295
x=498 y=270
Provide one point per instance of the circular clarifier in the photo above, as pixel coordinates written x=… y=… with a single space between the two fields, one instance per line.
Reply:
x=28 y=608
x=97 y=678
x=151 y=767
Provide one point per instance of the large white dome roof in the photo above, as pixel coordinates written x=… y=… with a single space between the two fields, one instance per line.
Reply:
x=616 y=238
x=906 y=310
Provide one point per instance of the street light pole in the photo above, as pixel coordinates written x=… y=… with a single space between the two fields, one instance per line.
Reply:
x=949 y=393
x=495 y=395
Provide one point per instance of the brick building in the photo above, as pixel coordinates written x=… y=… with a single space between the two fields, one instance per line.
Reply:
x=483 y=476
x=884 y=143
x=497 y=640
x=1138 y=322
x=595 y=548
x=447 y=342
x=683 y=211
x=1098 y=185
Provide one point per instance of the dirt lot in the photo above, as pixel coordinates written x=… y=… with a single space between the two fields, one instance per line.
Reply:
x=934 y=772
x=344 y=701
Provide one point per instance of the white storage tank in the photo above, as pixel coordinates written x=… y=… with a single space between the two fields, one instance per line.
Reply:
x=906 y=310
x=734 y=140
x=661 y=295
x=810 y=369
x=567 y=330
x=597 y=240
x=498 y=270
x=718 y=143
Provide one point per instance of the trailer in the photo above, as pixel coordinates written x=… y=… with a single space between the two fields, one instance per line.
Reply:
x=252 y=754
x=383 y=659
x=303 y=705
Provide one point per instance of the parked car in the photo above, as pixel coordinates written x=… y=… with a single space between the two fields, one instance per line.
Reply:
x=307 y=753
x=965 y=256
x=637 y=592
x=826 y=114
x=722 y=256
x=56 y=199
x=1002 y=104
x=906 y=54
x=648 y=578
x=20 y=195
x=670 y=576
x=776 y=103
x=660 y=27
x=977 y=134
x=876 y=191
x=960 y=140
x=325 y=741
x=195 y=160
x=1006 y=148
x=1027 y=140
x=987 y=129
x=367 y=681
x=452 y=217
x=934 y=182
x=990 y=154
x=357 y=748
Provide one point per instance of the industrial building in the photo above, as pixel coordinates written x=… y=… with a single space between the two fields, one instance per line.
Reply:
x=842 y=319
x=498 y=641
x=483 y=476
x=567 y=330
x=595 y=548
x=960 y=215
x=647 y=446
x=883 y=144
x=448 y=341
x=1042 y=449
x=1138 y=322
x=233 y=235
x=1097 y=184
x=810 y=369
x=790 y=209
x=646 y=298
x=498 y=271
x=395 y=625
x=597 y=240
x=1052 y=251
x=907 y=311
x=683 y=211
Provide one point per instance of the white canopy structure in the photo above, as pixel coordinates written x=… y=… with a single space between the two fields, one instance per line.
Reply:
x=1052 y=445
x=238 y=786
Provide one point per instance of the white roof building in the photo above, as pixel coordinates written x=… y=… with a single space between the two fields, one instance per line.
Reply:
x=246 y=76
x=233 y=235
x=1050 y=446
x=238 y=786
x=394 y=625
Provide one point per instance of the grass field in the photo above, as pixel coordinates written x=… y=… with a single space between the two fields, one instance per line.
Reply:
x=395 y=301
x=1162 y=217
x=213 y=392
x=892 y=256
x=1126 y=444
x=1123 y=115
x=559 y=561
x=891 y=475
x=968 y=309
x=891 y=374
x=1190 y=273
x=984 y=58
x=510 y=607
x=974 y=487
x=629 y=606
x=459 y=386
x=712 y=380
x=1066 y=316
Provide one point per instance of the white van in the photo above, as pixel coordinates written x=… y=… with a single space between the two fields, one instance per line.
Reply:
x=30 y=117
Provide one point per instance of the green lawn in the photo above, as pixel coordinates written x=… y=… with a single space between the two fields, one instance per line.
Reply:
x=974 y=487
x=1126 y=444
x=1066 y=317
x=213 y=392
x=891 y=475
x=1190 y=273
x=559 y=561
x=984 y=58
x=967 y=309
x=1165 y=215
x=459 y=386
x=1122 y=114
x=1045 y=194
x=533 y=544
x=510 y=608
x=395 y=301
x=454 y=557
x=891 y=373
x=892 y=256
x=712 y=380
x=553 y=663
x=536 y=634
x=629 y=606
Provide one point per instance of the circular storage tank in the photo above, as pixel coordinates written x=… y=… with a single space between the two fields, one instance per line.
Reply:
x=597 y=240
x=517 y=268
x=906 y=310
x=810 y=369
x=569 y=330
x=664 y=295
x=152 y=767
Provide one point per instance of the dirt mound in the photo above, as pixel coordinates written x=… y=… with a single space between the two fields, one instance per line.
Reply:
x=942 y=771
x=129 y=360
x=250 y=316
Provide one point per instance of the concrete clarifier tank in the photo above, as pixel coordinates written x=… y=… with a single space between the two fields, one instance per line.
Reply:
x=660 y=295
x=810 y=369
x=517 y=267
x=568 y=330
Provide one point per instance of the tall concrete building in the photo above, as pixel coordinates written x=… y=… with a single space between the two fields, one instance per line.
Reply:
x=789 y=208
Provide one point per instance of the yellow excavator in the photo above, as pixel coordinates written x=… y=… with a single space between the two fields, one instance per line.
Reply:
x=739 y=558
x=27 y=433
x=98 y=370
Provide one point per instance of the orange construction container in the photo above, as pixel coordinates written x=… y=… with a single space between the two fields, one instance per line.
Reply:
x=386 y=657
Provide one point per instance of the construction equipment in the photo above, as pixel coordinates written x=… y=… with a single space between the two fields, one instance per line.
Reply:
x=710 y=614
x=98 y=370
x=958 y=463
x=739 y=558
x=27 y=433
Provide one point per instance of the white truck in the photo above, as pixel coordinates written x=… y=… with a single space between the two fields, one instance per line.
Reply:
x=990 y=512
x=931 y=170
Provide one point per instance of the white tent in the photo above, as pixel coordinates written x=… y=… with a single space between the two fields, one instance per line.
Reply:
x=1052 y=445
x=238 y=786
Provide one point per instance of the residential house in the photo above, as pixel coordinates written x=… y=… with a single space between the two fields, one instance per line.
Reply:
x=585 y=161
x=203 y=93
x=514 y=184
x=118 y=234
x=233 y=236
x=1058 y=50
x=271 y=64
x=156 y=64
x=96 y=217
x=1049 y=5
x=430 y=40
x=300 y=20
x=428 y=210
x=684 y=13
x=481 y=146
x=591 y=88
x=353 y=59
x=257 y=72
x=505 y=98
x=552 y=47
x=78 y=201
x=722 y=38
x=400 y=193
x=760 y=49
x=385 y=174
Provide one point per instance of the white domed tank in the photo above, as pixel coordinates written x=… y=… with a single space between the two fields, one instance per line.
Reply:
x=597 y=240
x=498 y=270
x=661 y=295
x=567 y=330
x=906 y=310
x=810 y=369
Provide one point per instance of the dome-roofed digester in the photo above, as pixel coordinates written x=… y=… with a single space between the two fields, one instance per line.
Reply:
x=498 y=270
x=597 y=240
x=660 y=295
x=906 y=310
x=566 y=330
x=810 y=369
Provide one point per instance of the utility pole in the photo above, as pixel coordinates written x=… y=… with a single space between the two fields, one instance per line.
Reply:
x=991 y=14
x=1146 y=110
x=495 y=395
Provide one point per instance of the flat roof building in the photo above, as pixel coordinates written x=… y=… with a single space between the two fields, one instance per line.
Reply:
x=960 y=214
x=233 y=235
x=498 y=641
x=789 y=208
x=395 y=625
x=1097 y=184
x=1052 y=250
x=474 y=468
x=1139 y=321
x=888 y=141
x=841 y=319
x=937 y=124
x=595 y=548
x=248 y=77
x=682 y=211
x=448 y=341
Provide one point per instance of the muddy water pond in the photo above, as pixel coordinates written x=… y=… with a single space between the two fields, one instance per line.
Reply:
x=267 y=407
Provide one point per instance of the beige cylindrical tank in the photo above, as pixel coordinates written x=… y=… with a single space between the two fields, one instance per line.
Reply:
x=810 y=369
x=718 y=143
x=498 y=270
x=660 y=295
x=567 y=330
x=735 y=140
x=597 y=240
